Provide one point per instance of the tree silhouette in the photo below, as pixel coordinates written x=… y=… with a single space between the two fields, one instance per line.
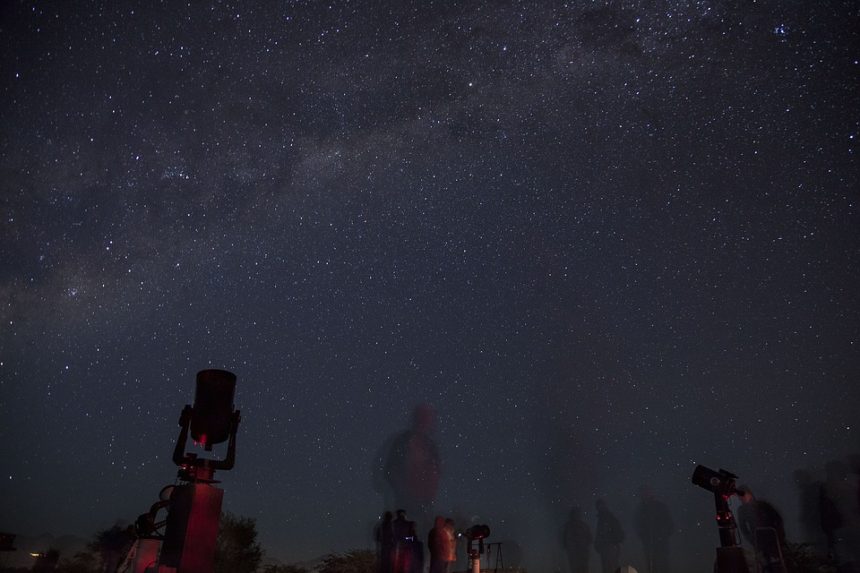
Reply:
x=111 y=545
x=237 y=549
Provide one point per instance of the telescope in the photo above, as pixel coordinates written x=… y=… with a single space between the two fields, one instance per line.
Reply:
x=476 y=533
x=184 y=541
x=211 y=421
x=730 y=556
x=212 y=413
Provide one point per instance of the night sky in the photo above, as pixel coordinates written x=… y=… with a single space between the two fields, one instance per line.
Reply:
x=606 y=241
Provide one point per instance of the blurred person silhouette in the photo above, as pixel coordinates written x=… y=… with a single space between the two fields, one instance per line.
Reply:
x=438 y=546
x=412 y=467
x=385 y=542
x=577 y=539
x=835 y=502
x=852 y=534
x=761 y=525
x=840 y=511
x=608 y=537
x=408 y=550
x=451 y=537
x=809 y=500
x=654 y=525
x=416 y=549
x=854 y=465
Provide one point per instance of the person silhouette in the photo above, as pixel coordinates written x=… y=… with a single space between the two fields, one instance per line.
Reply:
x=809 y=502
x=385 y=542
x=412 y=467
x=408 y=550
x=576 y=540
x=438 y=546
x=654 y=526
x=761 y=525
x=451 y=537
x=840 y=519
x=608 y=537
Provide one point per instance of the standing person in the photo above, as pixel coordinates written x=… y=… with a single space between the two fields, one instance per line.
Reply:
x=437 y=546
x=412 y=466
x=408 y=550
x=852 y=529
x=416 y=551
x=840 y=520
x=654 y=526
x=809 y=495
x=608 y=538
x=401 y=529
x=385 y=543
x=577 y=540
x=762 y=526
x=451 y=538
x=754 y=514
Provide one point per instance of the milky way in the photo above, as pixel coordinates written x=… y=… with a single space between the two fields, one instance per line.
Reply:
x=606 y=241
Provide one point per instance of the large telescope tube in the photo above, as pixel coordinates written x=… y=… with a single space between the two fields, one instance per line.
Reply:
x=213 y=407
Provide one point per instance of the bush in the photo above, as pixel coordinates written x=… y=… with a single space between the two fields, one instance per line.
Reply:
x=285 y=569
x=802 y=558
x=237 y=550
x=354 y=561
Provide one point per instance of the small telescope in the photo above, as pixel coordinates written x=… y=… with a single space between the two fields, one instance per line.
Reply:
x=730 y=555
x=476 y=533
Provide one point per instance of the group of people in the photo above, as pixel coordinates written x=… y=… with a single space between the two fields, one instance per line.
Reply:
x=653 y=525
x=400 y=550
x=830 y=510
x=829 y=518
x=408 y=469
x=759 y=523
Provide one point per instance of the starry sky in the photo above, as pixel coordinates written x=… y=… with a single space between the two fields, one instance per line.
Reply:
x=605 y=240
